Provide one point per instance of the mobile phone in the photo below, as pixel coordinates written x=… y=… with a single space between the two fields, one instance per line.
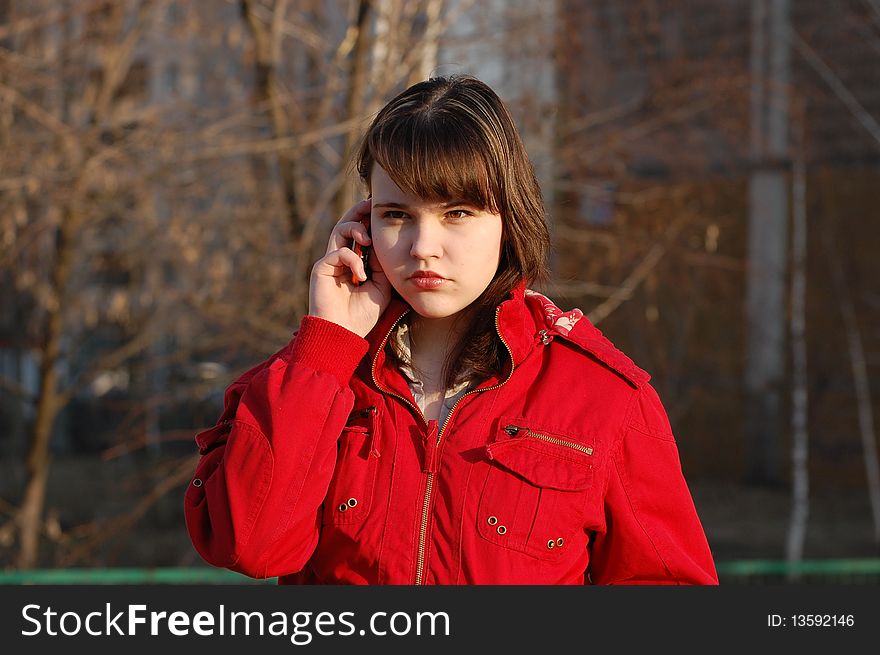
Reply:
x=364 y=253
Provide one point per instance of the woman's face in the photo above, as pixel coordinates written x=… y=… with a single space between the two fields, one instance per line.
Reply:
x=456 y=241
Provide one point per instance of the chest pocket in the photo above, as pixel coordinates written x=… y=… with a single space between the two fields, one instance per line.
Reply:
x=537 y=488
x=350 y=493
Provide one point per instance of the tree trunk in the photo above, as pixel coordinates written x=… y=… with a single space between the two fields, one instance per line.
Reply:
x=800 y=474
x=360 y=59
x=767 y=239
x=37 y=464
x=266 y=90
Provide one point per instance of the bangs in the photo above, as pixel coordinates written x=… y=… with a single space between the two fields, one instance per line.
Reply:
x=434 y=158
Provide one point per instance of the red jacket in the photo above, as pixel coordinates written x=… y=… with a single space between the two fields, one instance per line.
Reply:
x=564 y=470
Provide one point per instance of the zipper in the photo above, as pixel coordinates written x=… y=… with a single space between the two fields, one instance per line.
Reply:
x=423 y=528
x=429 y=483
x=513 y=430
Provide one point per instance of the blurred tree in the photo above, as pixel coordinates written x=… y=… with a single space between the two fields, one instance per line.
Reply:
x=69 y=136
x=169 y=176
x=768 y=236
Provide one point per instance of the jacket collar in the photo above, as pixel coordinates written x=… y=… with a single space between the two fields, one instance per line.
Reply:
x=516 y=324
x=525 y=318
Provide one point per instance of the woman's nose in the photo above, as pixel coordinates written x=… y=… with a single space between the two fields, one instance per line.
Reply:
x=426 y=241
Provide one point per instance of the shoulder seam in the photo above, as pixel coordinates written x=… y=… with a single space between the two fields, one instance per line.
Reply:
x=614 y=359
x=571 y=325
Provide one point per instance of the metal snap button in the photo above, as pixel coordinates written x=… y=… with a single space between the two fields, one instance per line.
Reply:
x=342 y=507
x=551 y=543
x=559 y=542
x=492 y=520
x=352 y=502
x=501 y=529
x=197 y=482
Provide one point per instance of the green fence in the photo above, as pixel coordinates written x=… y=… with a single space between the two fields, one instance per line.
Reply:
x=839 y=571
x=195 y=575
x=830 y=571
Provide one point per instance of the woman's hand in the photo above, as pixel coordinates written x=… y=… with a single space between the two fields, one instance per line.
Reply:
x=332 y=295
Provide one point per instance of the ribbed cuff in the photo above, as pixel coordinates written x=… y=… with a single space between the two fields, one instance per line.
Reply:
x=327 y=346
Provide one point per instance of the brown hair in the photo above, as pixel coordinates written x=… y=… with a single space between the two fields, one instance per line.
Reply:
x=453 y=137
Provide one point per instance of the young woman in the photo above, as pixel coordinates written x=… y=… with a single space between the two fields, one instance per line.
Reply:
x=433 y=420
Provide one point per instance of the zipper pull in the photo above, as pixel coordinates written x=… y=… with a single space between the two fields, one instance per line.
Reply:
x=431 y=439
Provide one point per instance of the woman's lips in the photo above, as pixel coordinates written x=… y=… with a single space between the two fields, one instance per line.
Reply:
x=430 y=281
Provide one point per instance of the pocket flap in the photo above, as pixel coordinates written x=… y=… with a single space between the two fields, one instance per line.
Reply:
x=362 y=422
x=545 y=459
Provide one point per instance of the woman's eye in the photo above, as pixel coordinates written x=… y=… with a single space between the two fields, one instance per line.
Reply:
x=394 y=214
x=458 y=214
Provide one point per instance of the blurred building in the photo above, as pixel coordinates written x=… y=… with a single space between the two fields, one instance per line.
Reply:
x=654 y=160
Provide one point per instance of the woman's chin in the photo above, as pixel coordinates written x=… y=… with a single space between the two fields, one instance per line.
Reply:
x=431 y=313
x=431 y=308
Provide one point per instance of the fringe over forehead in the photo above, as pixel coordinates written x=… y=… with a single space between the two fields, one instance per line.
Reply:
x=442 y=142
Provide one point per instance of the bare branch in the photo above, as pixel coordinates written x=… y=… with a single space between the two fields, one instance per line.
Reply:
x=836 y=85
x=107 y=361
x=52 y=17
x=639 y=273
x=288 y=144
x=119 y=524
x=118 y=58
x=13 y=387
x=68 y=135
x=601 y=117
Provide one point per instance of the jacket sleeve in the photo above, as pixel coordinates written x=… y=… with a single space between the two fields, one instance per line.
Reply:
x=652 y=532
x=253 y=503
